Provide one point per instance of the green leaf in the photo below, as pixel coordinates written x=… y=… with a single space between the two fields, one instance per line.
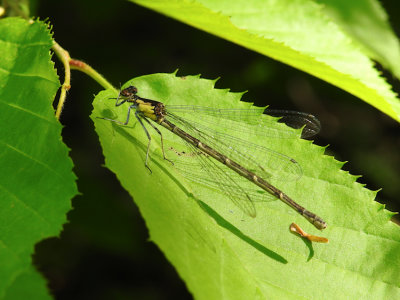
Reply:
x=36 y=179
x=220 y=252
x=298 y=33
x=367 y=23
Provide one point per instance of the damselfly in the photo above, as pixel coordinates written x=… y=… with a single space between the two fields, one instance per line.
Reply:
x=216 y=148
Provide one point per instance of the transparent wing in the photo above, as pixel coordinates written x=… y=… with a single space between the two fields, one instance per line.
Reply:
x=188 y=164
x=223 y=181
x=199 y=167
x=261 y=124
x=264 y=162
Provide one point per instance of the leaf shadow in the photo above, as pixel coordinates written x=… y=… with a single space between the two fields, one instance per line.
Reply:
x=225 y=224
x=309 y=245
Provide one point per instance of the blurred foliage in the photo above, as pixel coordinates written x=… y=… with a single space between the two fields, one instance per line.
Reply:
x=103 y=255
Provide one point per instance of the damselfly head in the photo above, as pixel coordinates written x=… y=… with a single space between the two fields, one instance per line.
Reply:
x=128 y=92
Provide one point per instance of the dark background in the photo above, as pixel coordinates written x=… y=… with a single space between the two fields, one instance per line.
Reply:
x=103 y=252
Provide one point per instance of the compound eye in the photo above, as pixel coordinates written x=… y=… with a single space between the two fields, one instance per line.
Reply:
x=132 y=89
x=129 y=91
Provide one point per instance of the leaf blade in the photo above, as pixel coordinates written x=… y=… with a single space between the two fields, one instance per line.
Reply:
x=36 y=169
x=298 y=33
x=221 y=253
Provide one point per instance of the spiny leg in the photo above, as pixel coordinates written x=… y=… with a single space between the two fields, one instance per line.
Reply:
x=138 y=117
x=126 y=123
x=122 y=101
x=162 y=140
